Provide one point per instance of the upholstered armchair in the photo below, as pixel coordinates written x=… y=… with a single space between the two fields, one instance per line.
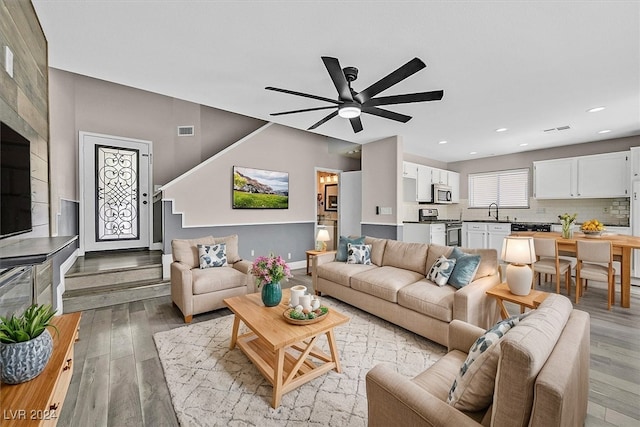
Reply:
x=536 y=374
x=202 y=277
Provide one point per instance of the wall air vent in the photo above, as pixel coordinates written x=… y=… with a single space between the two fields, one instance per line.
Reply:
x=186 y=131
x=559 y=128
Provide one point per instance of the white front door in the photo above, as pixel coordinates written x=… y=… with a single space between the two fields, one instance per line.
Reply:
x=115 y=192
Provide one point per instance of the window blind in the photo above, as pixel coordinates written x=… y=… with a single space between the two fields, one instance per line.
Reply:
x=508 y=188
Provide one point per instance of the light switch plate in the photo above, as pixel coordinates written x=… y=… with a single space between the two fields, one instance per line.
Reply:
x=386 y=210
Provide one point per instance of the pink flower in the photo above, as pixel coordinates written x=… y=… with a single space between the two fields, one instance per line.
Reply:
x=271 y=269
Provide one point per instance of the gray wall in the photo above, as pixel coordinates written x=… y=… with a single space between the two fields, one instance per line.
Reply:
x=280 y=239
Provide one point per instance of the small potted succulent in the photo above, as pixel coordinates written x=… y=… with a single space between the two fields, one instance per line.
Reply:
x=25 y=344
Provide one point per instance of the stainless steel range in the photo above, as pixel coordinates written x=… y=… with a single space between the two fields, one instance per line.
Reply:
x=453 y=227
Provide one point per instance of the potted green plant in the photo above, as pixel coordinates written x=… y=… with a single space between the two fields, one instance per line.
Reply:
x=25 y=344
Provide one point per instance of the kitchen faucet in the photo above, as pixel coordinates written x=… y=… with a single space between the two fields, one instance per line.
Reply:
x=496 y=210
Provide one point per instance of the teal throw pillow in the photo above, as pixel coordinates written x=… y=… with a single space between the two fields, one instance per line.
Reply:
x=465 y=269
x=342 y=254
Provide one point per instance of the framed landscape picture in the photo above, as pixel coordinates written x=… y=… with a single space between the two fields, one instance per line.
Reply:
x=260 y=189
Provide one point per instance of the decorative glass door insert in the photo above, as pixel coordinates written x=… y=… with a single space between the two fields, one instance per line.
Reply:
x=117 y=201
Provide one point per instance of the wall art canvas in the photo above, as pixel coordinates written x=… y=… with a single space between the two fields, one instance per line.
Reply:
x=260 y=189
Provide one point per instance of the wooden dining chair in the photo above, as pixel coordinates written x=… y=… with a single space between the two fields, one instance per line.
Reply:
x=588 y=254
x=548 y=262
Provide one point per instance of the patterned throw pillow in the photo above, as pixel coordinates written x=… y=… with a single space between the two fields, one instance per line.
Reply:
x=212 y=255
x=465 y=268
x=358 y=254
x=441 y=270
x=472 y=390
x=341 y=254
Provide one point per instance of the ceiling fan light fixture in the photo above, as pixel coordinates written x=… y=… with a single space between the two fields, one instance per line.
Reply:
x=349 y=110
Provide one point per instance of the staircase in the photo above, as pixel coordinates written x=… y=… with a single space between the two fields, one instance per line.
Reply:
x=101 y=279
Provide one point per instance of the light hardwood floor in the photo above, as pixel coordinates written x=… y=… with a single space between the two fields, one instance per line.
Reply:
x=118 y=379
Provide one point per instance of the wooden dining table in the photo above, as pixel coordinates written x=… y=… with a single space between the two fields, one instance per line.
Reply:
x=623 y=247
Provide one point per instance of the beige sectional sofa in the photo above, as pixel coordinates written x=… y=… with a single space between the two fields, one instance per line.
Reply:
x=538 y=376
x=395 y=288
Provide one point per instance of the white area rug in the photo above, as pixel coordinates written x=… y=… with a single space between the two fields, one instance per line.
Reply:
x=211 y=385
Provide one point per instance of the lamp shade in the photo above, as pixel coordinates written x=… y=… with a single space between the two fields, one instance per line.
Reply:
x=323 y=236
x=518 y=250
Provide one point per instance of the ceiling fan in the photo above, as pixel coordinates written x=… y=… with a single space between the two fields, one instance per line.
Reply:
x=350 y=103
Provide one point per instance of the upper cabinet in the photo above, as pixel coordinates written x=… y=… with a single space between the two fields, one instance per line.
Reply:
x=596 y=176
x=420 y=179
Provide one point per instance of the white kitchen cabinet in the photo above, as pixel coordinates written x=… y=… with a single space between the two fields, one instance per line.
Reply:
x=439 y=176
x=438 y=234
x=596 y=176
x=423 y=184
x=454 y=183
x=409 y=190
x=496 y=234
x=474 y=235
x=554 y=179
x=424 y=233
x=603 y=175
x=409 y=170
x=635 y=163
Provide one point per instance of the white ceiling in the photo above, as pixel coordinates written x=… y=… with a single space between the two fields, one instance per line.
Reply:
x=524 y=65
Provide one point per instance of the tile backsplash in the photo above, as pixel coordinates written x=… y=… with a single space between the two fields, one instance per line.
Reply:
x=609 y=211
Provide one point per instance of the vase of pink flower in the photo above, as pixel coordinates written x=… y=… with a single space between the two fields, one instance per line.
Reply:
x=269 y=272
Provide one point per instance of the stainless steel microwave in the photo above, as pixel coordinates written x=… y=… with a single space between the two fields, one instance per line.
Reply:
x=442 y=194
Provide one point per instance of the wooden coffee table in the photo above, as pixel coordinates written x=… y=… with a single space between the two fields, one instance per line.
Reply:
x=285 y=354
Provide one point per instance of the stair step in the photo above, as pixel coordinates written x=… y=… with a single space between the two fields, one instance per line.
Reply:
x=104 y=296
x=96 y=279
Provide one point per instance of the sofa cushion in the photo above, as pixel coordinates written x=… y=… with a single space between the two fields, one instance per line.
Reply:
x=212 y=255
x=216 y=279
x=441 y=270
x=472 y=390
x=233 y=254
x=384 y=282
x=465 y=268
x=427 y=298
x=406 y=256
x=341 y=254
x=438 y=378
x=340 y=272
x=435 y=252
x=186 y=250
x=377 y=249
x=358 y=254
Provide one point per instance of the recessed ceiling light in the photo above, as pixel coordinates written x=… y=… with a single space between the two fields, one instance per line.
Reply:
x=595 y=109
x=501 y=129
x=442 y=142
x=524 y=144
x=604 y=131
x=473 y=152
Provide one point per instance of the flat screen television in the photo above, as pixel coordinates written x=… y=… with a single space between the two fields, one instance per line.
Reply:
x=260 y=189
x=15 y=183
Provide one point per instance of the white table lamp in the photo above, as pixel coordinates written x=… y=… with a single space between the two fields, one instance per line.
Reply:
x=519 y=251
x=323 y=237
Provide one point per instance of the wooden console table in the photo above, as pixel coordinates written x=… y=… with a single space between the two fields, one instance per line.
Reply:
x=39 y=402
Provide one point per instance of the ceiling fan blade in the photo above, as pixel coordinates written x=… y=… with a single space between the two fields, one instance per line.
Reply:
x=327 y=118
x=386 y=114
x=302 y=111
x=435 y=95
x=391 y=79
x=356 y=124
x=306 y=95
x=338 y=78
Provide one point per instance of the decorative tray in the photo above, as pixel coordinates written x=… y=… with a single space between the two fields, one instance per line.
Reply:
x=287 y=317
